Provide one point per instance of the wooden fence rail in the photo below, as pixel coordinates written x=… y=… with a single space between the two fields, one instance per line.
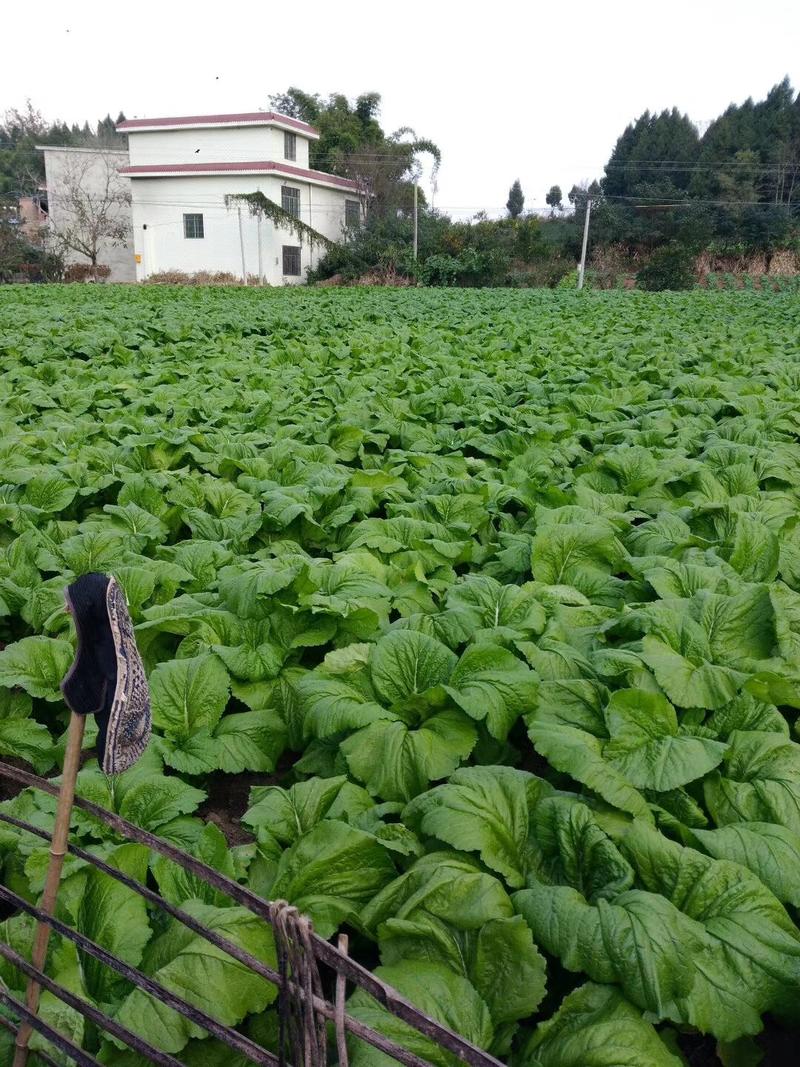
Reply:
x=63 y=1044
x=296 y=997
x=163 y=1059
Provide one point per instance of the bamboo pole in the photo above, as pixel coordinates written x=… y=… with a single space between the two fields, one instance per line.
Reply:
x=58 y=849
x=341 y=993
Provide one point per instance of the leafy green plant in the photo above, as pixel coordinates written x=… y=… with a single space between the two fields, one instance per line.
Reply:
x=497 y=595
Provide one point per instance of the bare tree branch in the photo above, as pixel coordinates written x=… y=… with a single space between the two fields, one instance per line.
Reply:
x=90 y=207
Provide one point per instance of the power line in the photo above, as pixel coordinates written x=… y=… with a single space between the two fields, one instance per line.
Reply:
x=654 y=165
x=698 y=164
x=214 y=204
x=659 y=201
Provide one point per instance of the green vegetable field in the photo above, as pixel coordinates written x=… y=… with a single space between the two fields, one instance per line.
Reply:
x=491 y=599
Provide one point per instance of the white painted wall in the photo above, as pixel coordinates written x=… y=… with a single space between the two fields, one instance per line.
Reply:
x=159 y=205
x=220 y=144
x=64 y=167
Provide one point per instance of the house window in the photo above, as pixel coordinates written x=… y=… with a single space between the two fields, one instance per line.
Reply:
x=352 y=214
x=290 y=200
x=289 y=145
x=291 y=259
x=193 y=226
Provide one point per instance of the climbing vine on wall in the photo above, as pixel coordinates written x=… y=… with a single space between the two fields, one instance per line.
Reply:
x=261 y=206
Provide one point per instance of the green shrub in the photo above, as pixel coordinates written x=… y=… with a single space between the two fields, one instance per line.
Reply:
x=670 y=267
x=471 y=267
x=544 y=274
x=569 y=281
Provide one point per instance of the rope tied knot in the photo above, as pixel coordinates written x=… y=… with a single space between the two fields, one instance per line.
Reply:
x=300 y=1025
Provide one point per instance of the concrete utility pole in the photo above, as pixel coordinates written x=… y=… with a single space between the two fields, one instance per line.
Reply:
x=241 y=245
x=260 y=262
x=416 y=226
x=582 y=267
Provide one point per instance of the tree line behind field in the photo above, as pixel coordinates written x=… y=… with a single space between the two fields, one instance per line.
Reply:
x=668 y=195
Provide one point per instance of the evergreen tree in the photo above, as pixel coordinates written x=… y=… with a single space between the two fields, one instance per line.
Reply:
x=648 y=177
x=769 y=132
x=516 y=200
x=554 y=198
x=647 y=160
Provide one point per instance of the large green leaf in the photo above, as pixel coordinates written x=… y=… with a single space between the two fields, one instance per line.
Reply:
x=483 y=809
x=578 y=702
x=406 y=663
x=759 y=781
x=435 y=990
x=573 y=850
x=492 y=684
x=580 y=555
x=483 y=604
x=37 y=665
x=330 y=871
x=746 y=713
x=755 y=551
x=137 y=521
x=740 y=627
x=154 y=801
x=331 y=705
x=178 y=885
x=29 y=740
x=580 y=754
x=499 y=959
x=115 y=917
x=597 y=1027
x=770 y=851
x=49 y=492
x=249 y=741
x=640 y=941
x=396 y=762
x=748 y=962
x=647 y=747
x=202 y=974
x=189 y=695
x=447 y=885
x=287 y=813
x=689 y=680
x=251 y=662
x=247 y=590
x=699 y=650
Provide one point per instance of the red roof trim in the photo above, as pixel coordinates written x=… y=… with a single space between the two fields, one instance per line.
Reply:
x=246 y=118
x=257 y=167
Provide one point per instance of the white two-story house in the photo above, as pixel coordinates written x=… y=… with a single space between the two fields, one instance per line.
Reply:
x=182 y=169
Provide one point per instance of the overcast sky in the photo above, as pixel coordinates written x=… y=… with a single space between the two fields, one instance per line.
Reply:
x=529 y=90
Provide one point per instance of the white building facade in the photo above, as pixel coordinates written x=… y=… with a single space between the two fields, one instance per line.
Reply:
x=182 y=169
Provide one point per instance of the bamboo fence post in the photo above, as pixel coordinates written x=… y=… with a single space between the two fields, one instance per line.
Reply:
x=341 y=991
x=58 y=849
